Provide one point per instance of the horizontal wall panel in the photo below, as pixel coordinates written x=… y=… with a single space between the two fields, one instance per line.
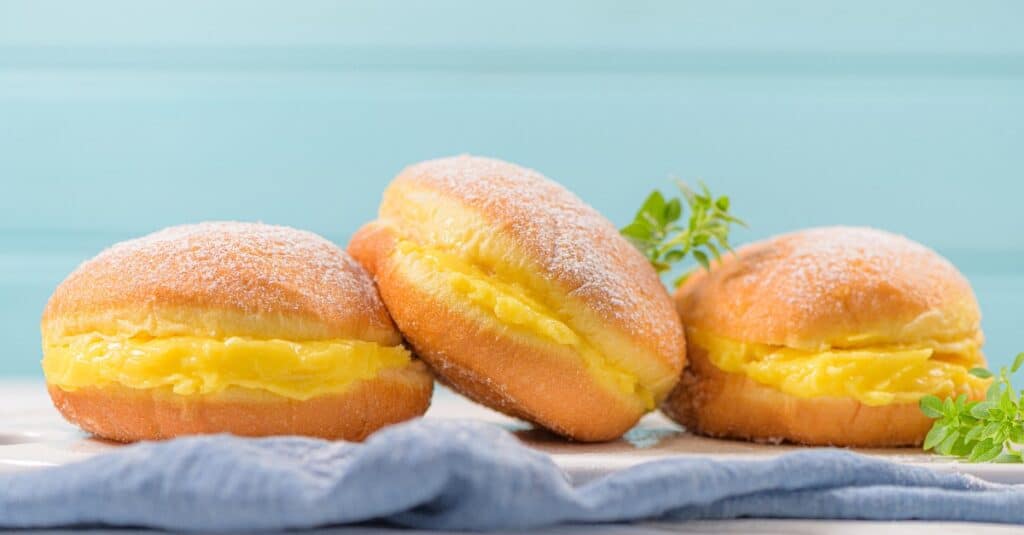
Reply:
x=937 y=158
x=869 y=26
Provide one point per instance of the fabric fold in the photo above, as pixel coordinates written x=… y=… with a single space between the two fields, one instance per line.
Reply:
x=467 y=475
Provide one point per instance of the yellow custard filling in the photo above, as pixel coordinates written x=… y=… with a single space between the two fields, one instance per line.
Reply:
x=872 y=375
x=199 y=365
x=511 y=304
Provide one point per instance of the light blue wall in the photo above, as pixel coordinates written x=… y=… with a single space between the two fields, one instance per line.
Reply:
x=121 y=117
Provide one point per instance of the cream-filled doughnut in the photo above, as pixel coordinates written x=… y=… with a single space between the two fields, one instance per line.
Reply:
x=522 y=297
x=243 y=328
x=828 y=336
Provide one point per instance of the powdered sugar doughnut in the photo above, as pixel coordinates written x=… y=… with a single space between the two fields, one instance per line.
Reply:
x=227 y=327
x=826 y=336
x=523 y=297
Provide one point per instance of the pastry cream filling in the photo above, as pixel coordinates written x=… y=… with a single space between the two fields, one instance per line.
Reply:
x=511 y=304
x=874 y=376
x=198 y=365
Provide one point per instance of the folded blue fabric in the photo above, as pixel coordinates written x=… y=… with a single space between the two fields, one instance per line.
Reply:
x=466 y=475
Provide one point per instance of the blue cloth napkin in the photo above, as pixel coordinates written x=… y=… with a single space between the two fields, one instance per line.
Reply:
x=466 y=475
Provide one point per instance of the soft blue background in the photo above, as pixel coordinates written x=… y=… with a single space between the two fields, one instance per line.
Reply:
x=121 y=117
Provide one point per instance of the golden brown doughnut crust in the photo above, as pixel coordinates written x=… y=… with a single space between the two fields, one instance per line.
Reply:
x=712 y=402
x=555 y=238
x=812 y=289
x=126 y=415
x=222 y=279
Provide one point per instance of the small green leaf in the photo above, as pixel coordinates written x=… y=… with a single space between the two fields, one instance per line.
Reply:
x=931 y=406
x=984 y=451
x=702 y=259
x=1007 y=403
x=637 y=230
x=674 y=255
x=722 y=203
x=654 y=206
x=653 y=221
x=978 y=448
x=673 y=210
x=935 y=437
x=1017 y=362
x=981 y=410
x=961 y=448
x=945 y=446
x=990 y=430
x=974 y=434
x=991 y=454
x=980 y=372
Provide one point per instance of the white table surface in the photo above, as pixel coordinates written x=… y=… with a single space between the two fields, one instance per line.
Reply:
x=31 y=430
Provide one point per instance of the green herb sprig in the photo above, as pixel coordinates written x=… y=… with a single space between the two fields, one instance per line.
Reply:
x=657 y=232
x=980 y=431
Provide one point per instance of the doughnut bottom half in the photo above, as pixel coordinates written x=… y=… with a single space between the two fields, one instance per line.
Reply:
x=715 y=403
x=124 y=414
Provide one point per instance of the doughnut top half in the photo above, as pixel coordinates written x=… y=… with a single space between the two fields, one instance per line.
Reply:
x=832 y=287
x=222 y=279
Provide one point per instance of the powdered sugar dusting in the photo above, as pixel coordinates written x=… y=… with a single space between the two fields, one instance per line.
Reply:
x=826 y=262
x=576 y=246
x=804 y=287
x=247 y=267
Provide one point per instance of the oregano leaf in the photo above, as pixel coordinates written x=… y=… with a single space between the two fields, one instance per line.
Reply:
x=657 y=232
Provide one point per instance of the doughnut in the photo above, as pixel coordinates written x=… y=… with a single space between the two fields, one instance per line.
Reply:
x=226 y=327
x=522 y=297
x=827 y=336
